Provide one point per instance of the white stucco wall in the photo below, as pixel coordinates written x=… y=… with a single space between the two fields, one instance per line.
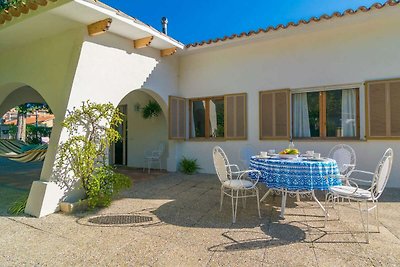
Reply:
x=71 y=67
x=144 y=135
x=110 y=68
x=340 y=51
x=48 y=66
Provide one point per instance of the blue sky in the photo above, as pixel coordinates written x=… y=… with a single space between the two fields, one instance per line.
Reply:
x=193 y=21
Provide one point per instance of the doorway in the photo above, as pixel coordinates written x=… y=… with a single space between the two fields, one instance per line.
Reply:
x=120 y=151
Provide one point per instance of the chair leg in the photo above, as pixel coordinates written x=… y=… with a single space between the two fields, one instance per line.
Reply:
x=222 y=198
x=366 y=206
x=377 y=216
x=363 y=223
x=233 y=208
x=283 y=204
x=327 y=197
x=258 y=202
x=338 y=209
x=298 y=197
x=244 y=193
x=236 y=204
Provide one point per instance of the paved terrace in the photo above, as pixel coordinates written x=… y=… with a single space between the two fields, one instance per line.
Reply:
x=179 y=224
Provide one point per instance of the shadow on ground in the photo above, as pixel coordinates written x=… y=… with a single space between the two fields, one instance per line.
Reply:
x=15 y=181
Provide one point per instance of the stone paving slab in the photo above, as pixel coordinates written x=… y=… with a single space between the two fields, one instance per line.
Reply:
x=187 y=229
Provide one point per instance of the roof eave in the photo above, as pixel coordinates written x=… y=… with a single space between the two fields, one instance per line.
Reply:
x=150 y=31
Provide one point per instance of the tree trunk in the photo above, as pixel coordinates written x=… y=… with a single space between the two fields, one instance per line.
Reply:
x=21 y=126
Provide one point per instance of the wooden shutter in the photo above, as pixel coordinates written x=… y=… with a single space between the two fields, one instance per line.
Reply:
x=274 y=114
x=176 y=118
x=383 y=109
x=235 y=116
x=394 y=98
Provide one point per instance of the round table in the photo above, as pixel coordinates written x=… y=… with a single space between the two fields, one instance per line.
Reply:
x=299 y=175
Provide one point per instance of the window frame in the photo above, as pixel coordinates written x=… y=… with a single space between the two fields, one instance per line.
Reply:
x=322 y=112
x=207 y=99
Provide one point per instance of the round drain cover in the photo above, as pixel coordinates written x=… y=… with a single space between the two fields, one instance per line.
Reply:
x=120 y=219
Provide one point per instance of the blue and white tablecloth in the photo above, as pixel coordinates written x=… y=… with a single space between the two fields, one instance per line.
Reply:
x=296 y=174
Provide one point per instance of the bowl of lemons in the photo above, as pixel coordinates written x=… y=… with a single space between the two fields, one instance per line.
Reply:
x=289 y=153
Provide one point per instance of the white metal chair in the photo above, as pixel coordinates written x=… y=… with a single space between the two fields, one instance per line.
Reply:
x=153 y=156
x=345 y=156
x=234 y=182
x=354 y=193
x=245 y=154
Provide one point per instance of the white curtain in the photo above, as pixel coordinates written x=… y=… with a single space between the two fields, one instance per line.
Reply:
x=213 y=119
x=301 y=123
x=349 y=112
x=193 y=130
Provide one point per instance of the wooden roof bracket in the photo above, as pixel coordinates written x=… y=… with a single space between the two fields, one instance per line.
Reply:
x=99 y=27
x=143 y=42
x=168 y=52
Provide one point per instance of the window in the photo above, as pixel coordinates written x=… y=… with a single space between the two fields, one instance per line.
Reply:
x=207 y=118
x=326 y=114
x=383 y=109
x=218 y=117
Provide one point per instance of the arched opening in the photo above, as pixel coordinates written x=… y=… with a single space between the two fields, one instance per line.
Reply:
x=141 y=136
x=26 y=122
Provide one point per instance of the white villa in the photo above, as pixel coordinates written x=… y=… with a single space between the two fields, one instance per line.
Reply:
x=327 y=80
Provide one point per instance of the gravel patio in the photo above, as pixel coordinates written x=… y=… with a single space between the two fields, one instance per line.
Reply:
x=171 y=219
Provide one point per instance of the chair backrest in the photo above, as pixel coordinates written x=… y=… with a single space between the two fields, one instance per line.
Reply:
x=245 y=154
x=220 y=164
x=345 y=156
x=160 y=150
x=382 y=173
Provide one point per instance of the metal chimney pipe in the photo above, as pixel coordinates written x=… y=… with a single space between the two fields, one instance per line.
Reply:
x=164 y=23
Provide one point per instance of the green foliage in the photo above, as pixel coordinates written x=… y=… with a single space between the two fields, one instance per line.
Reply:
x=104 y=184
x=4 y=4
x=18 y=207
x=188 y=166
x=12 y=131
x=92 y=130
x=152 y=109
x=34 y=134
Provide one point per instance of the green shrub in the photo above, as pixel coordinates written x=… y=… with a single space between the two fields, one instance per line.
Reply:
x=104 y=184
x=84 y=155
x=18 y=207
x=188 y=166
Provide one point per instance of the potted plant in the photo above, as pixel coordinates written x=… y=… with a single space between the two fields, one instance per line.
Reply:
x=151 y=110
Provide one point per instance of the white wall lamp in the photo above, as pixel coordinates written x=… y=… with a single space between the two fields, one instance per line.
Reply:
x=137 y=107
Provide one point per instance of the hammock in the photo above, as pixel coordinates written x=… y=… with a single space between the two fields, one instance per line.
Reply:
x=19 y=151
x=11 y=146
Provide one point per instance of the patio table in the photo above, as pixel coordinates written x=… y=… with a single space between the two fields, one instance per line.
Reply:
x=296 y=176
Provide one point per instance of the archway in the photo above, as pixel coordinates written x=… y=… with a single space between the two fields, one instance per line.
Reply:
x=140 y=135
x=25 y=164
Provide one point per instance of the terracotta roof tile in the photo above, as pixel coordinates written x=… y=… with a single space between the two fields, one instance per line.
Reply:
x=23 y=8
x=295 y=24
x=32 y=119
